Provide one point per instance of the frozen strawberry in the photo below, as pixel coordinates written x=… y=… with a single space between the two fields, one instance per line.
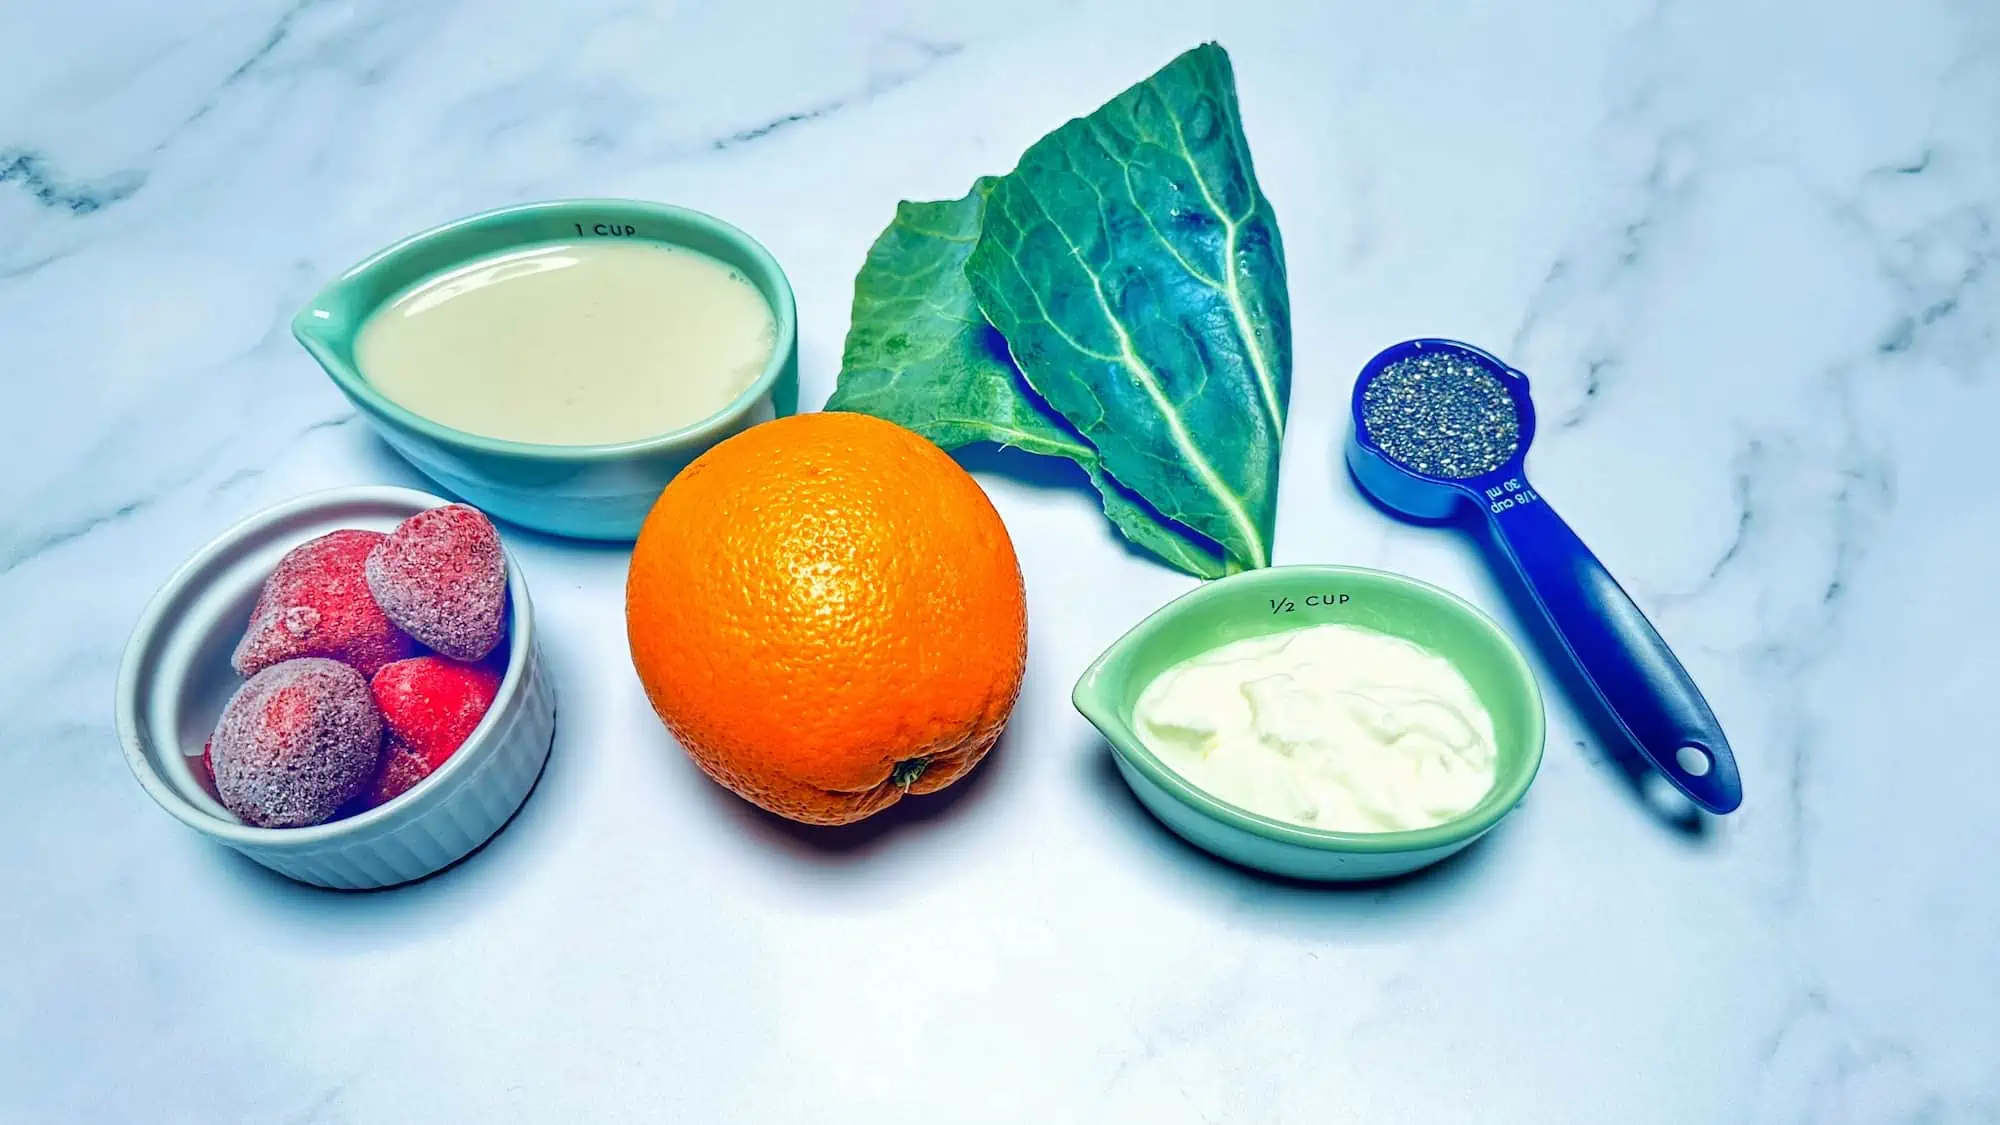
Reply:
x=296 y=741
x=207 y=776
x=399 y=772
x=432 y=705
x=442 y=578
x=317 y=604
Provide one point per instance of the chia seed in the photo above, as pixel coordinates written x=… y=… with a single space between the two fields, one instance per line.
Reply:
x=1442 y=414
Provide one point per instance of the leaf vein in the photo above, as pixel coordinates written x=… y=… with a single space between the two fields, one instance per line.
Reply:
x=1148 y=381
x=1234 y=290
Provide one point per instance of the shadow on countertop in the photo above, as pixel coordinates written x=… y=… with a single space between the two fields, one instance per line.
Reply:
x=454 y=895
x=1608 y=746
x=441 y=900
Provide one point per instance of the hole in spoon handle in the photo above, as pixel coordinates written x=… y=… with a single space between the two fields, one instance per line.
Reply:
x=1622 y=657
x=1694 y=760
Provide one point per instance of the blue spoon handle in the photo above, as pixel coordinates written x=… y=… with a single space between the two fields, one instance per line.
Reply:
x=1618 y=650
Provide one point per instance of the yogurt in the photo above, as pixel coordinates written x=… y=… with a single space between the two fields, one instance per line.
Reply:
x=1327 y=726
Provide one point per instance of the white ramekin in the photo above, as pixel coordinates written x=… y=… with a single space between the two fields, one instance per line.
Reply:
x=175 y=678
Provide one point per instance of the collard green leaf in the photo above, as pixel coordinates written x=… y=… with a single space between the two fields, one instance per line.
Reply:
x=1134 y=268
x=920 y=354
x=1118 y=300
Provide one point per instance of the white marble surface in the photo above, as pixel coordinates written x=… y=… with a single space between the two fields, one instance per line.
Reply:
x=1751 y=254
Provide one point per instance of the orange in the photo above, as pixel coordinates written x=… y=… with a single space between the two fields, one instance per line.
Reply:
x=827 y=613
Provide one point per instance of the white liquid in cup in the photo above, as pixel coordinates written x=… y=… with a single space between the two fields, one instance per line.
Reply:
x=591 y=342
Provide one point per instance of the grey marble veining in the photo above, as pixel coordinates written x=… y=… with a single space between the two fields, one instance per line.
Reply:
x=1746 y=252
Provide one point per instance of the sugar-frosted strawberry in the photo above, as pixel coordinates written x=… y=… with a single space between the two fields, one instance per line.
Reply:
x=317 y=603
x=442 y=578
x=295 y=743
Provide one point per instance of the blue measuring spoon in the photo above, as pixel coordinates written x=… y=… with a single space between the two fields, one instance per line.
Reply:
x=1619 y=653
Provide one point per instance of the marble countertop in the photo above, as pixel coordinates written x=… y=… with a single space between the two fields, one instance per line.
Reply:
x=1749 y=253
